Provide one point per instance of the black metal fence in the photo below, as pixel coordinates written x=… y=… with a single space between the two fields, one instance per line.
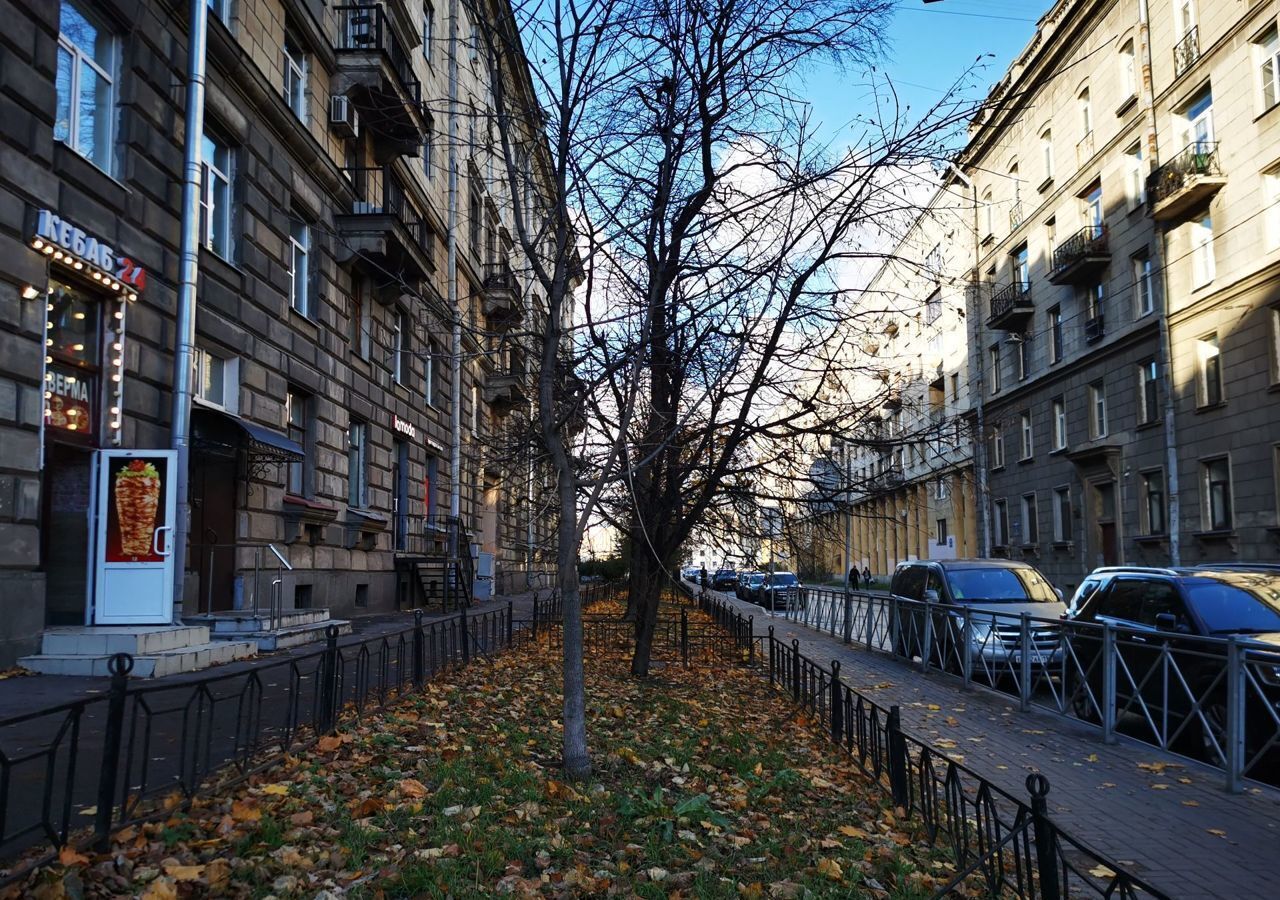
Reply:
x=1012 y=845
x=108 y=760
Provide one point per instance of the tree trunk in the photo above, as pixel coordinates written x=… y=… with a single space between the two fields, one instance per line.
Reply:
x=577 y=761
x=647 y=577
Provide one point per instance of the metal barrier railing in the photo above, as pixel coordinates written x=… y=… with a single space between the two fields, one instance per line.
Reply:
x=1212 y=698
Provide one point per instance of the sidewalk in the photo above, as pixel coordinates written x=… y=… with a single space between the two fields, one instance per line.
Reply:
x=28 y=693
x=1166 y=818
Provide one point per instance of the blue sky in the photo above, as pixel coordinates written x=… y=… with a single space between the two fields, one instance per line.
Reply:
x=931 y=46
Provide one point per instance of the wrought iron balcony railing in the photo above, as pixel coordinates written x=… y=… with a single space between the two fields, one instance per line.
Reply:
x=1011 y=305
x=1080 y=253
x=1188 y=178
x=1186 y=51
x=380 y=192
x=365 y=27
x=1094 y=328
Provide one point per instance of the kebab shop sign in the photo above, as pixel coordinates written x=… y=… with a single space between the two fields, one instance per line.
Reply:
x=136 y=493
x=88 y=248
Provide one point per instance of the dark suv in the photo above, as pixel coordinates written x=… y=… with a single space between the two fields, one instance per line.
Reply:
x=1168 y=670
x=990 y=595
x=779 y=590
x=724 y=580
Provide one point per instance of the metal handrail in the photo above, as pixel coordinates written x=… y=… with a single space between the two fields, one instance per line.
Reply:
x=1088 y=241
x=1197 y=159
x=365 y=27
x=1016 y=293
x=1186 y=51
x=381 y=192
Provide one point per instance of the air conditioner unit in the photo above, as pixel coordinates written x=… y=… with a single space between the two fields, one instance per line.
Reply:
x=343 y=116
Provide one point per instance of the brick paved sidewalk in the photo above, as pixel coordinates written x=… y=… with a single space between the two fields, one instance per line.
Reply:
x=1179 y=829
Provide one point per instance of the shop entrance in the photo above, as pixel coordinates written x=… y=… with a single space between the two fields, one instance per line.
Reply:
x=66 y=502
x=212 y=486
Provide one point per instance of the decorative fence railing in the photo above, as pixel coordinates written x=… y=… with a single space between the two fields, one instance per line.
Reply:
x=138 y=744
x=1214 y=698
x=1014 y=847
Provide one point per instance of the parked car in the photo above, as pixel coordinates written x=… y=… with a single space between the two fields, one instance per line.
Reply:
x=691 y=573
x=779 y=590
x=1096 y=579
x=740 y=586
x=750 y=589
x=1168 y=670
x=724 y=580
x=992 y=594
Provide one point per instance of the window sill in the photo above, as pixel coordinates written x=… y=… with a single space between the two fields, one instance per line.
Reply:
x=296 y=318
x=1045 y=185
x=1210 y=537
x=1266 y=112
x=990 y=238
x=1029 y=548
x=1274 y=389
x=1139 y=207
x=1147 y=426
x=1026 y=459
x=999 y=468
x=1127 y=104
x=1150 y=538
x=1210 y=407
x=1058 y=451
x=93 y=178
x=1063 y=545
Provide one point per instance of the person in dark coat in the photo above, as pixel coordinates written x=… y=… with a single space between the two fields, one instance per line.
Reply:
x=866 y=577
x=853 y=578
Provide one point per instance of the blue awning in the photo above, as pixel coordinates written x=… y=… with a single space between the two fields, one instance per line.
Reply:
x=261 y=442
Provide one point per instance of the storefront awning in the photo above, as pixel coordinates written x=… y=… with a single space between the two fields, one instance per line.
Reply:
x=220 y=431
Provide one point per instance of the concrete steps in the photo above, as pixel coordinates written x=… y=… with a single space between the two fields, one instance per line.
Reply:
x=293 y=627
x=157 y=650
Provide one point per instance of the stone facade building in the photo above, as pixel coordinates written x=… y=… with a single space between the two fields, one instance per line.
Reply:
x=335 y=331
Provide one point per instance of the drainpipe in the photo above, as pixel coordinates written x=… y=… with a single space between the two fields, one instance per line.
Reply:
x=977 y=390
x=455 y=354
x=188 y=273
x=1169 y=406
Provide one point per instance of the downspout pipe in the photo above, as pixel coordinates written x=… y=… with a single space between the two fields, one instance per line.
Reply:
x=188 y=274
x=455 y=350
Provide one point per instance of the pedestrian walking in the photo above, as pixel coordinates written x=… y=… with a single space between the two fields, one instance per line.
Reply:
x=866 y=577
x=853 y=578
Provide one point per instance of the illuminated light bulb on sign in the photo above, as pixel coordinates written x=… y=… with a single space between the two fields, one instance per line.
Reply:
x=37 y=243
x=120 y=314
x=79 y=265
x=48 y=250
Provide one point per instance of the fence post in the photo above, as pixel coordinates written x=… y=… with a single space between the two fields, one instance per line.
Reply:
x=1046 y=838
x=795 y=670
x=751 y=642
x=837 y=704
x=466 y=635
x=1024 y=672
x=897 y=758
x=871 y=621
x=848 y=617
x=511 y=614
x=1108 y=699
x=329 y=682
x=535 y=615
x=417 y=648
x=773 y=659
x=1235 y=724
x=120 y=665
x=967 y=651
x=684 y=637
x=926 y=645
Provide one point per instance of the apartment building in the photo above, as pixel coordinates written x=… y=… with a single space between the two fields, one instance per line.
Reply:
x=901 y=484
x=1124 y=198
x=359 y=390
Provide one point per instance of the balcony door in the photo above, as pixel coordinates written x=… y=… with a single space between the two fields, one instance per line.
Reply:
x=1198 y=127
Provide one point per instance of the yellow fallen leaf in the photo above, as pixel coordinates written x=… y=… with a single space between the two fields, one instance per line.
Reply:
x=329 y=743
x=160 y=889
x=89 y=811
x=1092 y=757
x=934 y=706
x=1159 y=787
x=1190 y=803
x=412 y=788
x=183 y=873
x=1101 y=872
x=1218 y=831
x=278 y=790
x=852 y=831
x=245 y=811
x=830 y=869
x=69 y=856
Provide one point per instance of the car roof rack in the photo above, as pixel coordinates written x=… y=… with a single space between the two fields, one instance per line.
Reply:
x=1119 y=570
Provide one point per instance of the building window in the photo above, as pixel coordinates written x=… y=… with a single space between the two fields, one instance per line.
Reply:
x=300 y=266
x=1093 y=211
x=295 y=414
x=994 y=356
x=1197 y=121
x=358 y=464
x=1202 y=263
x=942 y=532
x=431 y=386
x=1271 y=218
x=475 y=225
x=361 y=311
x=933 y=308
x=1062 y=514
x=220 y=8
x=295 y=77
x=1059 y=423
x=1148 y=392
x=1153 y=502
x=1055 y=334
x=1217 y=493
x=1000 y=523
x=1028 y=441
x=1128 y=71
x=1274 y=315
x=1030 y=520
x=1097 y=410
x=1046 y=153
x=1086 y=113
x=428 y=29
x=940 y=491
x=1143 y=287
x=429 y=483
x=1268 y=50
x=475 y=409
x=216 y=379
x=989 y=213
x=955 y=388
x=400 y=346
x=1209 y=370
x=1135 y=176
x=997 y=447
x=428 y=150
x=86 y=92
x=215 y=197
x=1094 y=295
x=1024 y=356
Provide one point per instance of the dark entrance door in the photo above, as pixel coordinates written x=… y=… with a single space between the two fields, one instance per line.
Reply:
x=65 y=535
x=1107 y=543
x=400 y=489
x=213 y=528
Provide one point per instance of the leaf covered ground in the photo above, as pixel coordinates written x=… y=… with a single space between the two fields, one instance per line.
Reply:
x=706 y=784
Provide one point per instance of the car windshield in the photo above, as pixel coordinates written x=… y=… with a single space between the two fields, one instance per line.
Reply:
x=783 y=578
x=1237 y=602
x=999 y=585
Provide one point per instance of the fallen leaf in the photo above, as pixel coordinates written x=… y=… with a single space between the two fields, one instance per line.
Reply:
x=329 y=743
x=184 y=873
x=830 y=869
x=69 y=856
x=853 y=831
x=278 y=790
x=1190 y=803
x=160 y=889
x=369 y=806
x=412 y=788
x=1101 y=871
x=245 y=811
x=1092 y=757
x=1218 y=831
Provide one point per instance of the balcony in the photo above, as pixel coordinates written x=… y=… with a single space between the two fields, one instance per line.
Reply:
x=1186 y=51
x=1011 y=307
x=376 y=72
x=1016 y=217
x=384 y=227
x=1081 y=256
x=1094 y=329
x=888 y=479
x=1084 y=149
x=502 y=295
x=893 y=400
x=506 y=388
x=1184 y=183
